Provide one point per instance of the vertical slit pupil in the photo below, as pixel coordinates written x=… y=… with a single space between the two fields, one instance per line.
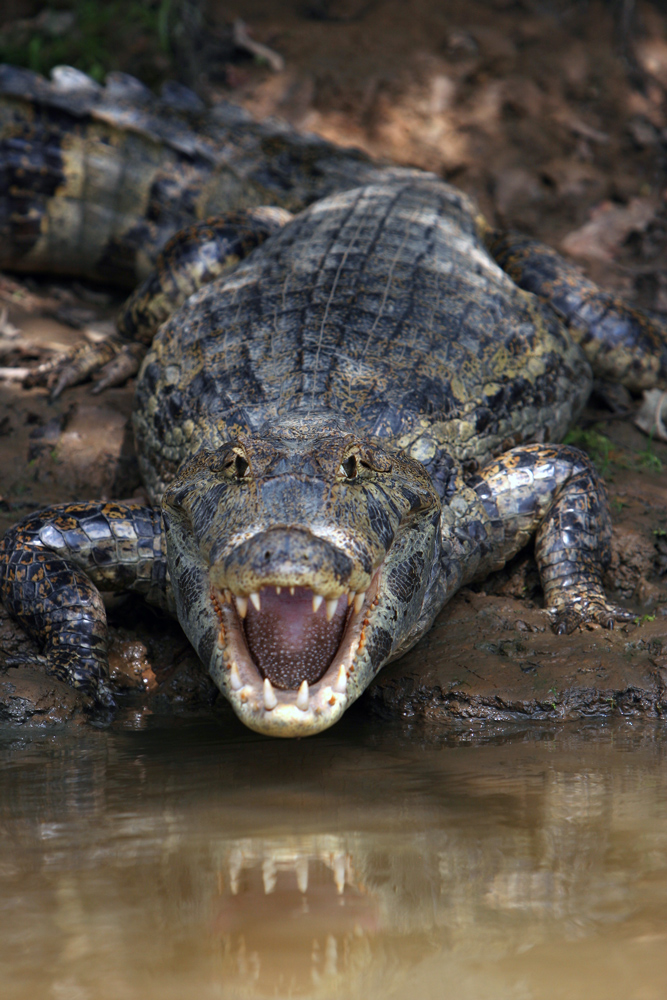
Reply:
x=350 y=467
x=240 y=466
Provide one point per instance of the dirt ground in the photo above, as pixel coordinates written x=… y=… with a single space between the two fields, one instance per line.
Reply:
x=553 y=115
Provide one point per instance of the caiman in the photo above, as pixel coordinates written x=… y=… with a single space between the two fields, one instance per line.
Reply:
x=342 y=416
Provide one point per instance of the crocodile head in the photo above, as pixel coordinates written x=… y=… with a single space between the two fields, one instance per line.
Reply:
x=299 y=558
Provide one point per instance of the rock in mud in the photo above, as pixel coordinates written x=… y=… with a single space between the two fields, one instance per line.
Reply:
x=27 y=694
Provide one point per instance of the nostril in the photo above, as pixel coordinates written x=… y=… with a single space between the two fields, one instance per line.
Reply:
x=267 y=556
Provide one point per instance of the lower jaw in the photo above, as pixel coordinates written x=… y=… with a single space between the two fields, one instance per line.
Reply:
x=289 y=713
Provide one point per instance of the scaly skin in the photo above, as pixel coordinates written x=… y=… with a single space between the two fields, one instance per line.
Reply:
x=53 y=565
x=97 y=179
x=361 y=411
x=381 y=306
x=621 y=343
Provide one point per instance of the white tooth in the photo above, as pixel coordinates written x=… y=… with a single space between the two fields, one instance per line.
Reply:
x=242 y=606
x=350 y=596
x=270 y=700
x=359 y=600
x=317 y=600
x=302 y=697
x=331 y=608
x=228 y=596
x=269 y=876
x=291 y=590
x=235 y=678
x=278 y=589
x=235 y=867
x=254 y=597
x=330 y=956
x=340 y=684
x=302 y=874
x=339 y=873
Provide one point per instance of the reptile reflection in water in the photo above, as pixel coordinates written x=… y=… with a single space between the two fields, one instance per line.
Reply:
x=172 y=863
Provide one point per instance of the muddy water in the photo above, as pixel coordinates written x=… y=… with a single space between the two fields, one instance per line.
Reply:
x=163 y=859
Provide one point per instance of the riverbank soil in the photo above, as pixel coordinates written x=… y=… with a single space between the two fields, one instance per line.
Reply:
x=554 y=117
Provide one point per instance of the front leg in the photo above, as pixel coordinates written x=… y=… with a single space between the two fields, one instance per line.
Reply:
x=54 y=563
x=554 y=492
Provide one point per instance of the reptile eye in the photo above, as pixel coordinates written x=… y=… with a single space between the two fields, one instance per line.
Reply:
x=241 y=466
x=235 y=466
x=349 y=467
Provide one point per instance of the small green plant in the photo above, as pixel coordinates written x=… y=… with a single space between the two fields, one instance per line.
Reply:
x=647 y=458
x=595 y=444
x=643 y=619
x=96 y=37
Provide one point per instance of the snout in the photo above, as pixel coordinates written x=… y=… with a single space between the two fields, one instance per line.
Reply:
x=287 y=557
x=295 y=594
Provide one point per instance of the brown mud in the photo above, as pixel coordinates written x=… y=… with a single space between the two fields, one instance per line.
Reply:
x=554 y=118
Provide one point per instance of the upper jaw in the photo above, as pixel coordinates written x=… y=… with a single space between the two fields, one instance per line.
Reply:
x=311 y=707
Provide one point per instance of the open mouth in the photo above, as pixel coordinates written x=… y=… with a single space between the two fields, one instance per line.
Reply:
x=290 y=652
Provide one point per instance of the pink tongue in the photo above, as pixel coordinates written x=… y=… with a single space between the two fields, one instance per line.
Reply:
x=287 y=641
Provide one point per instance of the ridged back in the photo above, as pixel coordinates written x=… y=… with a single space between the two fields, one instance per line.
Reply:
x=380 y=305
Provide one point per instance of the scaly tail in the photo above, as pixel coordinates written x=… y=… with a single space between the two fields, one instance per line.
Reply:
x=95 y=179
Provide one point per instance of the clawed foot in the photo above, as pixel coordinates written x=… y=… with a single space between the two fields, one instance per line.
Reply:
x=110 y=360
x=569 y=615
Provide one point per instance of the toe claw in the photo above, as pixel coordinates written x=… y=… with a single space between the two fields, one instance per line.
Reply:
x=70 y=369
x=593 y=611
x=123 y=366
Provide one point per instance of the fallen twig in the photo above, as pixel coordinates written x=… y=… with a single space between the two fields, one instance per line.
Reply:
x=242 y=40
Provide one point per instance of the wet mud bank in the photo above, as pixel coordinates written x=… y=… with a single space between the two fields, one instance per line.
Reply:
x=493 y=658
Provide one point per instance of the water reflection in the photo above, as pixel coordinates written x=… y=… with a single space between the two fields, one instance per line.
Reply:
x=370 y=862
